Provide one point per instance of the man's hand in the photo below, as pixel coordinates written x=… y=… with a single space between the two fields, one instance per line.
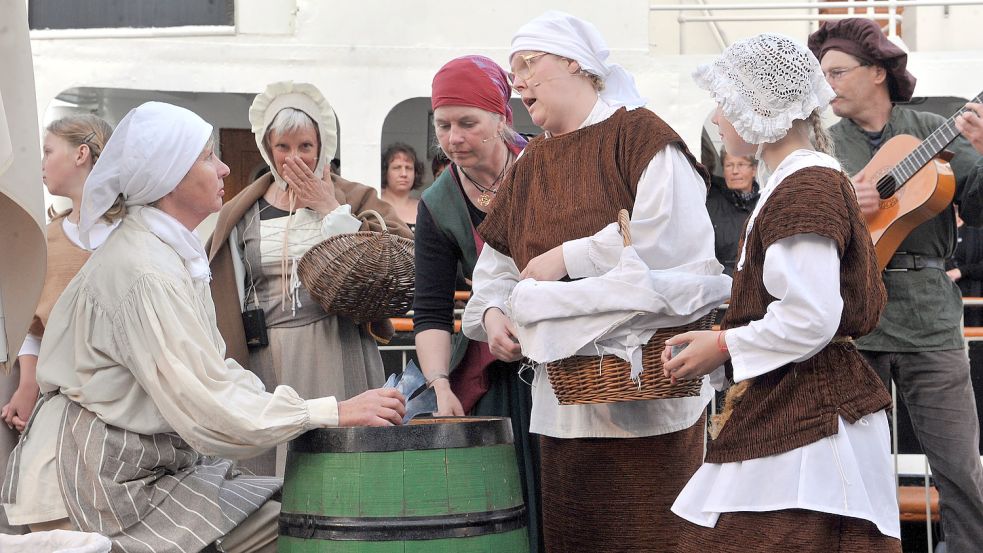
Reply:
x=970 y=124
x=867 y=195
x=379 y=407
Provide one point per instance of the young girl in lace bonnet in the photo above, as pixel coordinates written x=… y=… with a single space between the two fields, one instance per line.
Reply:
x=801 y=453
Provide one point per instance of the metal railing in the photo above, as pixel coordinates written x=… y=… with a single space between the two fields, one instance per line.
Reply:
x=859 y=8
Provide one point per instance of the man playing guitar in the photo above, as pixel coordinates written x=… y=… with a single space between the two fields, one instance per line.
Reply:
x=919 y=340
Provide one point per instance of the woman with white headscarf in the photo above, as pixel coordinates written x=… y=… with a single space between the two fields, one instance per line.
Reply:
x=137 y=393
x=262 y=233
x=609 y=471
x=801 y=458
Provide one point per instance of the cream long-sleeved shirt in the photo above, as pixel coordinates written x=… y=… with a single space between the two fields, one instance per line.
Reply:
x=133 y=339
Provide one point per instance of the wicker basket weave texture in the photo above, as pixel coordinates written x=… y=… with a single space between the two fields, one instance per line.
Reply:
x=365 y=275
x=586 y=379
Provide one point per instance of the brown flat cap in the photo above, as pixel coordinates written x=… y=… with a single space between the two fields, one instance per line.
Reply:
x=864 y=40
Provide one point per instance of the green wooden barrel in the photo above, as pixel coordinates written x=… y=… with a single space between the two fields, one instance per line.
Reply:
x=435 y=485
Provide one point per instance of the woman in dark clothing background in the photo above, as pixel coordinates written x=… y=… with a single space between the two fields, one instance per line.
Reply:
x=730 y=203
x=965 y=268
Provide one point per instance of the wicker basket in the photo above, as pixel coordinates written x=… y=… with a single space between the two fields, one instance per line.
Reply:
x=585 y=379
x=365 y=275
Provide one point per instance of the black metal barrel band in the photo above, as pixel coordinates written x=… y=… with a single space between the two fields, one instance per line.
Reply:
x=465 y=525
x=457 y=432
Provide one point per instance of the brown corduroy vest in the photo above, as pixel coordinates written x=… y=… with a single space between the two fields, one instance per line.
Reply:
x=571 y=186
x=64 y=261
x=799 y=403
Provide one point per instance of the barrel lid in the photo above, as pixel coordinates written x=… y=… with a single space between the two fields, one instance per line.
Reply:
x=423 y=433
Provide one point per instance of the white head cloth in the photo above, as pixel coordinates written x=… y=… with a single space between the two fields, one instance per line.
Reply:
x=150 y=151
x=300 y=96
x=763 y=84
x=564 y=35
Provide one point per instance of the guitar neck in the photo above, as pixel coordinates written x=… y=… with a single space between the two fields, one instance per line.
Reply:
x=930 y=147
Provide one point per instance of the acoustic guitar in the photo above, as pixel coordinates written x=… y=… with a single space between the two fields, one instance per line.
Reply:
x=915 y=183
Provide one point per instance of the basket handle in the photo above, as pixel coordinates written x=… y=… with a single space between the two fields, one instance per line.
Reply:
x=624 y=224
x=377 y=215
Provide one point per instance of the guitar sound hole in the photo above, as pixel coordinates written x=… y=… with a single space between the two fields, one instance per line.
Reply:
x=886 y=186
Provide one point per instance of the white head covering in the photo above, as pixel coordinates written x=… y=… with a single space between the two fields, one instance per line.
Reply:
x=300 y=96
x=763 y=84
x=564 y=35
x=150 y=151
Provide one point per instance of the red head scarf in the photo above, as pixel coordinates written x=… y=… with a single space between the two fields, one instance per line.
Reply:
x=474 y=81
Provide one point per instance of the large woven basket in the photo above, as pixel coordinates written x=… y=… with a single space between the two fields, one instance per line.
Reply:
x=585 y=379
x=365 y=275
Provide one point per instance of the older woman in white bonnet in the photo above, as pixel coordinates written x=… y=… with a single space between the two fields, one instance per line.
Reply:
x=801 y=457
x=259 y=238
x=609 y=471
x=132 y=370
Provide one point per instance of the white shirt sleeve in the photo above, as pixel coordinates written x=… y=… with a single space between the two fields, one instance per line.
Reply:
x=803 y=273
x=340 y=221
x=495 y=275
x=669 y=222
x=31 y=346
x=213 y=403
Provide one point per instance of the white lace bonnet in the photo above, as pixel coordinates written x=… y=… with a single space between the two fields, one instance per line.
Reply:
x=301 y=96
x=763 y=84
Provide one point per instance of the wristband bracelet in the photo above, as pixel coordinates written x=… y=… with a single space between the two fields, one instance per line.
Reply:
x=430 y=381
x=721 y=342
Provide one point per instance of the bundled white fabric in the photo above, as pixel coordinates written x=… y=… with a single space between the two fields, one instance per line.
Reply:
x=303 y=97
x=763 y=84
x=564 y=35
x=150 y=151
x=56 y=541
x=615 y=313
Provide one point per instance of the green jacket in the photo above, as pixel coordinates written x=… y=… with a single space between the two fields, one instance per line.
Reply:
x=924 y=307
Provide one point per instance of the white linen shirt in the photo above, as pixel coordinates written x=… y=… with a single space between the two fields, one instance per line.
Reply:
x=848 y=474
x=670 y=230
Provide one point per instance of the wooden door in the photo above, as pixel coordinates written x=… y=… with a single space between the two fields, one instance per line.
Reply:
x=238 y=150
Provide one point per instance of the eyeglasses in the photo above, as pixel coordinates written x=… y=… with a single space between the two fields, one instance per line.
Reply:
x=524 y=71
x=837 y=74
x=737 y=165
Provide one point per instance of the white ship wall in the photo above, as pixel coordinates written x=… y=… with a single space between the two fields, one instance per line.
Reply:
x=366 y=56
x=369 y=56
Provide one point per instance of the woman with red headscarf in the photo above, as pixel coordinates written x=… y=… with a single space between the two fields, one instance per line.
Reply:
x=473 y=124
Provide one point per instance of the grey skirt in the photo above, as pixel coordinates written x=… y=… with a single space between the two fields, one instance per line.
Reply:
x=150 y=493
